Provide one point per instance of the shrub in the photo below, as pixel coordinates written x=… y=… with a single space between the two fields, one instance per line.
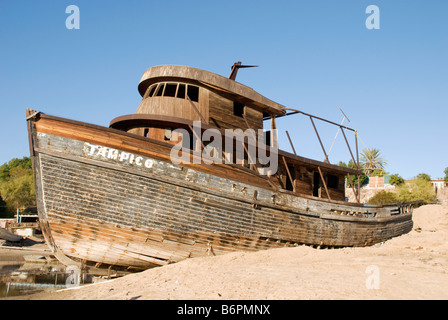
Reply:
x=384 y=197
x=419 y=189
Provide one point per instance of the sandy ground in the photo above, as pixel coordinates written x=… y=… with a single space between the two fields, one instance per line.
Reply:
x=16 y=252
x=413 y=266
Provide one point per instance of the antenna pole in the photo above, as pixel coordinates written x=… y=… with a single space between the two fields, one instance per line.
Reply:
x=234 y=71
x=236 y=66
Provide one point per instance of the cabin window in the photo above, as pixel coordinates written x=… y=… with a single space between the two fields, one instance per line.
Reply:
x=168 y=134
x=193 y=93
x=160 y=90
x=145 y=132
x=267 y=137
x=151 y=90
x=333 y=181
x=170 y=90
x=238 y=109
x=175 y=90
x=181 y=91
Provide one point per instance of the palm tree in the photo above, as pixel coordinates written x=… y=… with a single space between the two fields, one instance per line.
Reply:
x=371 y=161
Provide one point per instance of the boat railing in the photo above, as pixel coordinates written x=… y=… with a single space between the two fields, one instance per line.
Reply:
x=396 y=208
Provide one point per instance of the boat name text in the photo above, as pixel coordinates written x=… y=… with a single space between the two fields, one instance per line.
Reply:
x=97 y=151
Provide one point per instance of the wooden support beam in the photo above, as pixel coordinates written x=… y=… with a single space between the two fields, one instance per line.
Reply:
x=274 y=137
x=351 y=185
x=290 y=142
x=249 y=158
x=289 y=174
x=322 y=119
x=255 y=141
x=325 y=184
x=198 y=138
x=349 y=149
x=320 y=141
x=196 y=109
x=257 y=170
x=357 y=163
x=248 y=127
x=254 y=166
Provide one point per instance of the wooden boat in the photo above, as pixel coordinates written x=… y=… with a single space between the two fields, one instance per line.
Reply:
x=9 y=236
x=112 y=197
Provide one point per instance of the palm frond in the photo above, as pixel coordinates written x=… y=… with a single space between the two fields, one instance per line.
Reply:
x=371 y=160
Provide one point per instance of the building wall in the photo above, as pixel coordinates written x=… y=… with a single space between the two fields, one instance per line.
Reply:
x=438 y=184
x=376 y=182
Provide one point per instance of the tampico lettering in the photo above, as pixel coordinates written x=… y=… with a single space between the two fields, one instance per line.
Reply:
x=106 y=153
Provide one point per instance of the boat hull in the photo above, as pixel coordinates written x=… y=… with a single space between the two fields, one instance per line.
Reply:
x=107 y=197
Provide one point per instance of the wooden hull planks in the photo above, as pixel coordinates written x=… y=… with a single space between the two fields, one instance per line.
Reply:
x=111 y=197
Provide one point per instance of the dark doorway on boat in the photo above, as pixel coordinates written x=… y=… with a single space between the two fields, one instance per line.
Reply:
x=316 y=184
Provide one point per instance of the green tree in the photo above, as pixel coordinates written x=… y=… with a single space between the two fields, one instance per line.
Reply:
x=16 y=184
x=3 y=209
x=424 y=176
x=419 y=189
x=372 y=162
x=446 y=174
x=396 y=179
x=5 y=169
x=354 y=178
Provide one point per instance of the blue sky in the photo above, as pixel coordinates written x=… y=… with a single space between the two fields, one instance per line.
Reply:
x=316 y=56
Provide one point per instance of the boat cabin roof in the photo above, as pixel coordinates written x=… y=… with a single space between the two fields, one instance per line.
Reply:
x=211 y=81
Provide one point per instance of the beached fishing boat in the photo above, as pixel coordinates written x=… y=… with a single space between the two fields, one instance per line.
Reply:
x=151 y=189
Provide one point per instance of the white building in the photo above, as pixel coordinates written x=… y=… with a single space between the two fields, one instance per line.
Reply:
x=438 y=184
